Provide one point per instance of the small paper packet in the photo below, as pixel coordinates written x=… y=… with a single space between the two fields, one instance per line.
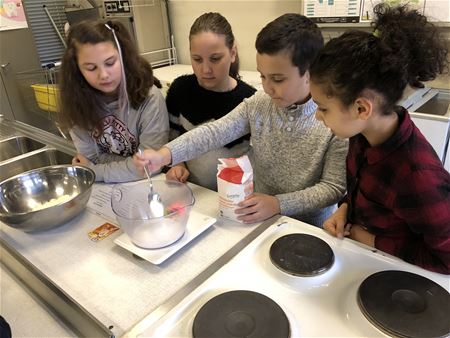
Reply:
x=102 y=232
x=234 y=184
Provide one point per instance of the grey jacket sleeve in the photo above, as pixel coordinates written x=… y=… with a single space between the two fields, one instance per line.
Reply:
x=327 y=191
x=211 y=135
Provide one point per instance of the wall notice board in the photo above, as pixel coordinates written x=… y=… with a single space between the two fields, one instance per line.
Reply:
x=352 y=11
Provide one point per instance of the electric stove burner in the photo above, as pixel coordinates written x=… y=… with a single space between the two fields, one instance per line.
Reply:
x=404 y=304
x=241 y=314
x=301 y=255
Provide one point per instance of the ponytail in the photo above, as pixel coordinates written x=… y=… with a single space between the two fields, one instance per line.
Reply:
x=234 y=68
x=414 y=40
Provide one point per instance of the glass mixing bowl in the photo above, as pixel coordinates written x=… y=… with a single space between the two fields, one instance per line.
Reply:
x=46 y=197
x=130 y=204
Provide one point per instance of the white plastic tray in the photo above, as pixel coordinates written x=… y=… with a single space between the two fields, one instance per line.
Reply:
x=197 y=223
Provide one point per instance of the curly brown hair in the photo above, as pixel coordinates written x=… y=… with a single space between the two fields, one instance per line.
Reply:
x=405 y=48
x=80 y=102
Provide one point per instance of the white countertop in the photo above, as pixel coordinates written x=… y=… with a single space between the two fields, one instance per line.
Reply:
x=113 y=286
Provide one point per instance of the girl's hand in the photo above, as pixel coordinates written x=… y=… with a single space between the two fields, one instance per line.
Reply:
x=178 y=173
x=153 y=159
x=360 y=234
x=258 y=207
x=337 y=224
x=80 y=159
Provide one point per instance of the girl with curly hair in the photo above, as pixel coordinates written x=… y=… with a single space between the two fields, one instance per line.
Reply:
x=398 y=192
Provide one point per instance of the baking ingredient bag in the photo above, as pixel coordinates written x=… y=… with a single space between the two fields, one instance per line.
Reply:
x=234 y=184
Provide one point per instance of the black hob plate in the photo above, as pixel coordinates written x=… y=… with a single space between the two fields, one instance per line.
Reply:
x=241 y=313
x=301 y=255
x=403 y=304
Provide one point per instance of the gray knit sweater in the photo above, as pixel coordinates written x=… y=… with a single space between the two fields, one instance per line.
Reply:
x=294 y=156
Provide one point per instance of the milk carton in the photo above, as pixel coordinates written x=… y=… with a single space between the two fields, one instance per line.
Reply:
x=234 y=184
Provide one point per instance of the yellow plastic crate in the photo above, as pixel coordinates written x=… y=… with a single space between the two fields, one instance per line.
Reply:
x=47 y=96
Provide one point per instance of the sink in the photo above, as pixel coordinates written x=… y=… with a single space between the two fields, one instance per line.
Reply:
x=36 y=160
x=438 y=105
x=17 y=146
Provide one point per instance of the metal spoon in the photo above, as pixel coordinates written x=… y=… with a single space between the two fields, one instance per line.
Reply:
x=154 y=200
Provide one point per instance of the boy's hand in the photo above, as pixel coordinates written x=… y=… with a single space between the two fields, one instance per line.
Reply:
x=258 y=207
x=178 y=173
x=81 y=160
x=337 y=224
x=153 y=159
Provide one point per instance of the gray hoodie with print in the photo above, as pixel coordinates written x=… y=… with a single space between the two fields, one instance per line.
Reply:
x=123 y=132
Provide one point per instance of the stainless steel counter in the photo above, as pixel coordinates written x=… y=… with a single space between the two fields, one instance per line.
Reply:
x=436 y=108
x=100 y=289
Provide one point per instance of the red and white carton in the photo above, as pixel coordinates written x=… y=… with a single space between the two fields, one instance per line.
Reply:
x=234 y=184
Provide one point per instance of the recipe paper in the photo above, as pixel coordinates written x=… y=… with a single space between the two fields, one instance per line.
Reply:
x=100 y=201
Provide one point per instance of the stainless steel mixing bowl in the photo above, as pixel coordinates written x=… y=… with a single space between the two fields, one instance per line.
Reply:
x=46 y=197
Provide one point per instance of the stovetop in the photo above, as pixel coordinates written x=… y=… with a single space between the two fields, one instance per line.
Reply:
x=319 y=305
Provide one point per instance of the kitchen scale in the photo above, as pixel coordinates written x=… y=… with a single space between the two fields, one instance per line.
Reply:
x=197 y=224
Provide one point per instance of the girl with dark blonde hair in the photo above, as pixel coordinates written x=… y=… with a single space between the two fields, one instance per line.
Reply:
x=109 y=101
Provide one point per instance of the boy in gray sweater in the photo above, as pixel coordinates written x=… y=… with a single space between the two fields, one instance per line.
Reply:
x=298 y=164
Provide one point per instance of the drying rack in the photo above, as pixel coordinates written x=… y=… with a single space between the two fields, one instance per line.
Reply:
x=162 y=57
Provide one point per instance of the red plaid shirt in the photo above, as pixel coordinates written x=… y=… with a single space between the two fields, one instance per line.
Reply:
x=400 y=192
